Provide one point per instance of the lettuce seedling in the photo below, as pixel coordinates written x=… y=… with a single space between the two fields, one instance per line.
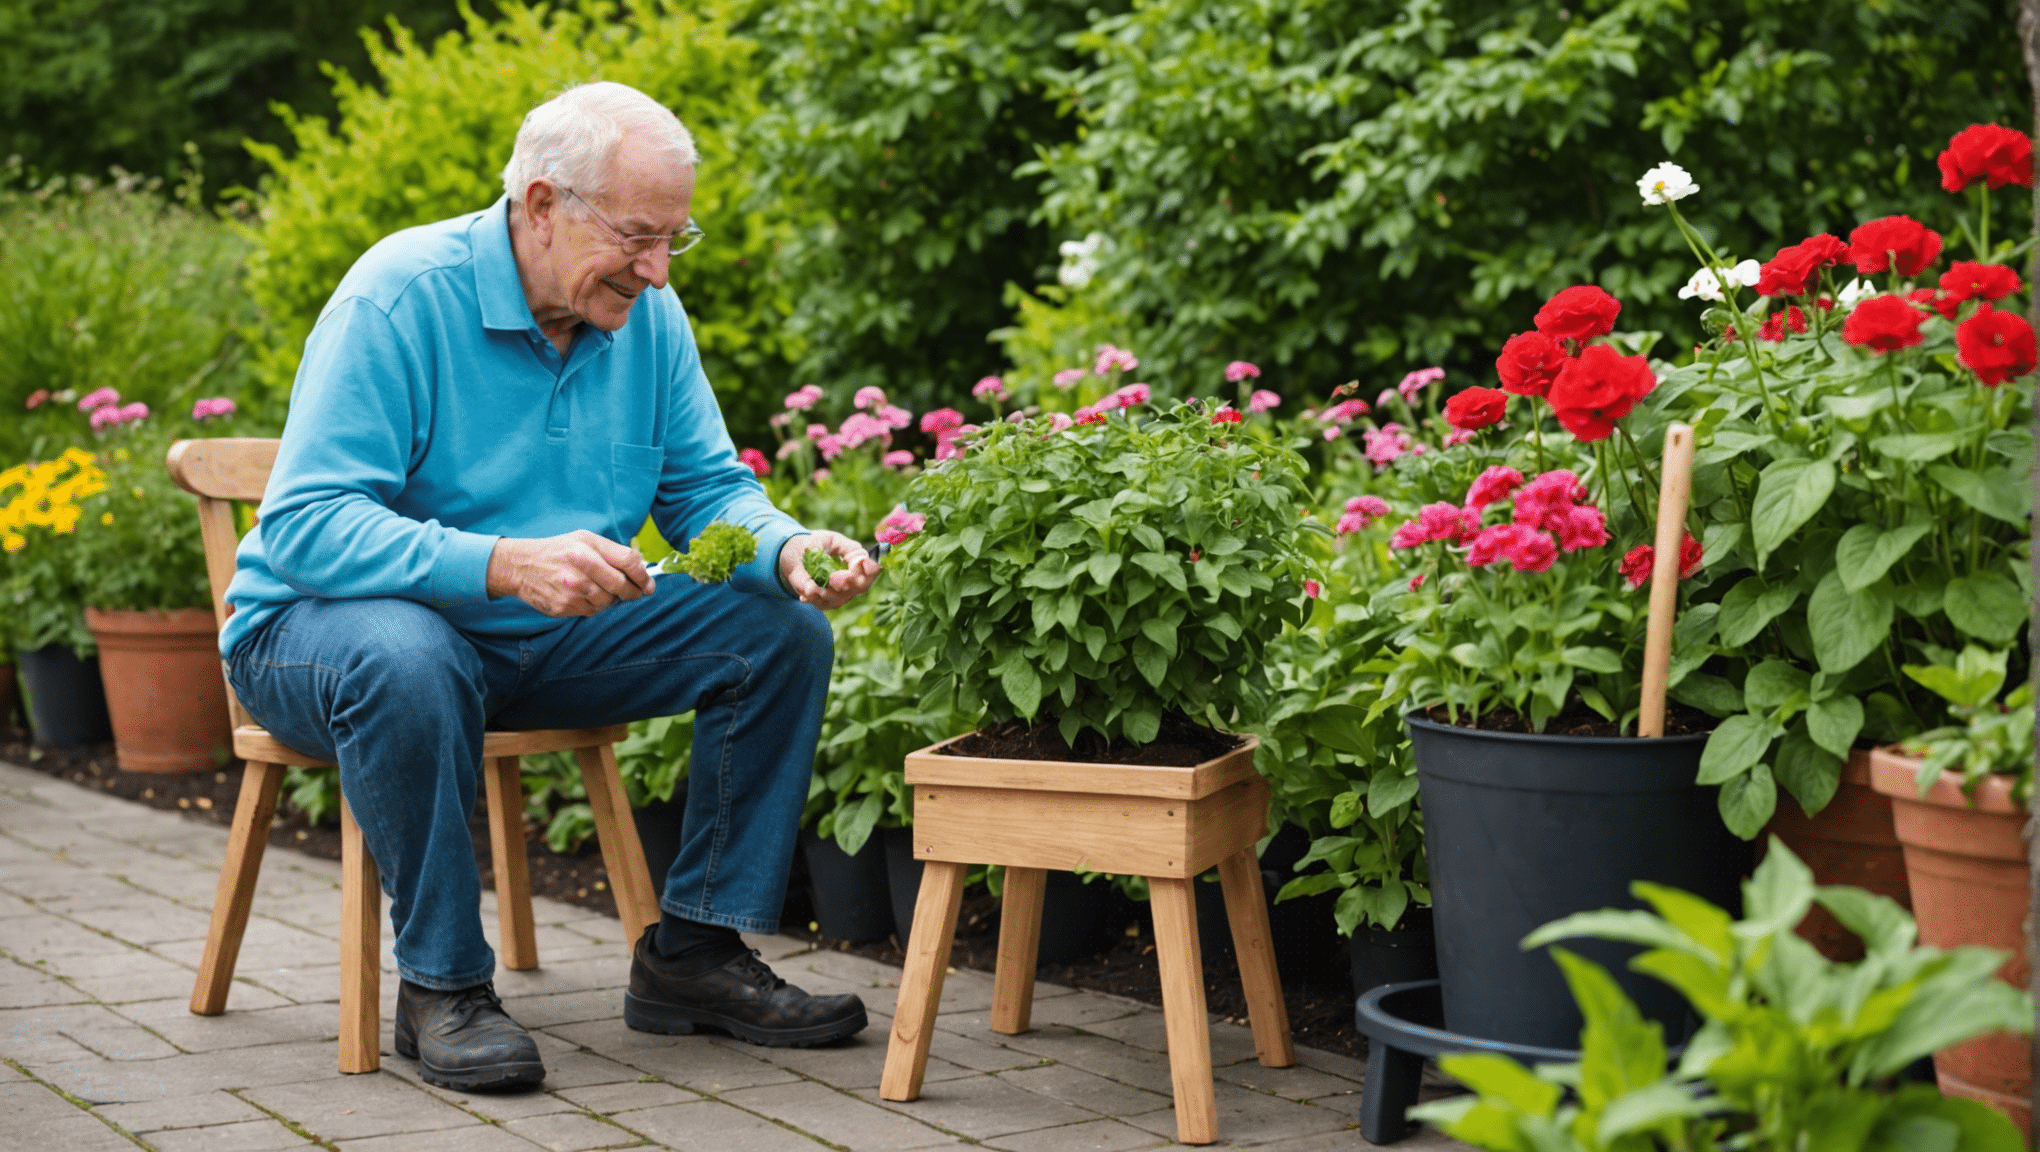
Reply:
x=714 y=555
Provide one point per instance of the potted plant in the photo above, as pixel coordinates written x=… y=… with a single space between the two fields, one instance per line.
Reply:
x=40 y=511
x=1959 y=801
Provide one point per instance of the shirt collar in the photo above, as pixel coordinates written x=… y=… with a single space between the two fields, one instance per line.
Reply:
x=497 y=285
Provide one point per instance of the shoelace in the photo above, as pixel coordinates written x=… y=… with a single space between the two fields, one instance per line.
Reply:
x=473 y=1000
x=754 y=968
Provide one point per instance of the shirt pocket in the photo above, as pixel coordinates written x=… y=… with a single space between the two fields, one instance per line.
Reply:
x=634 y=471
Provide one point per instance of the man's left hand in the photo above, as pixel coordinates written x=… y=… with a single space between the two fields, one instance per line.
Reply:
x=855 y=578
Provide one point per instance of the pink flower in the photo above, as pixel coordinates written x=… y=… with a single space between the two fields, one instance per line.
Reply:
x=950 y=445
x=779 y=419
x=1419 y=380
x=1417 y=581
x=1440 y=521
x=1058 y=422
x=756 y=461
x=897 y=459
x=1332 y=432
x=1091 y=414
x=1240 y=370
x=1263 y=401
x=1313 y=589
x=1350 y=523
x=804 y=399
x=133 y=412
x=894 y=416
x=1016 y=417
x=1456 y=437
x=1068 y=377
x=941 y=421
x=1111 y=358
x=1345 y=411
x=900 y=524
x=1226 y=415
x=990 y=386
x=1382 y=400
x=820 y=475
x=786 y=449
x=1386 y=443
x=1547 y=502
x=104 y=416
x=859 y=427
x=1584 y=527
x=1523 y=546
x=1132 y=394
x=212 y=406
x=97 y=399
x=1368 y=505
x=816 y=431
x=38 y=398
x=869 y=396
x=831 y=446
x=1494 y=484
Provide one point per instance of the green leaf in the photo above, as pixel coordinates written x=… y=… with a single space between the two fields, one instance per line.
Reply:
x=1778 y=893
x=1975 y=678
x=1747 y=801
x=1389 y=791
x=1834 y=722
x=1987 y=606
x=1735 y=744
x=1847 y=626
x=1773 y=682
x=1709 y=693
x=1152 y=662
x=1064 y=534
x=1022 y=686
x=1750 y=606
x=1161 y=633
x=1104 y=566
x=1647 y=1107
x=1627 y=925
x=1789 y=492
x=1808 y=771
x=1920 y=447
x=1999 y=493
x=1502 y=1078
x=1705 y=923
x=1592 y=659
x=1345 y=809
x=1866 y=552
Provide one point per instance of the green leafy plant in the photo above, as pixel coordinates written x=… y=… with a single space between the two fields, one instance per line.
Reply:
x=41 y=507
x=715 y=555
x=820 y=565
x=138 y=543
x=1103 y=575
x=1794 y=1052
x=653 y=759
x=1993 y=737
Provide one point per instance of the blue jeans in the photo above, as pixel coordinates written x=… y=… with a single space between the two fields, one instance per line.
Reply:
x=398 y=698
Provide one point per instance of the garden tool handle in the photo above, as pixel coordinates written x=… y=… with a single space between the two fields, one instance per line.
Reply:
x=1675 y=491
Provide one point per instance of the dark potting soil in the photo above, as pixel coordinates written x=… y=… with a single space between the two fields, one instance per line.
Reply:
x=1576 y=720
x=1320 y=1016
x=1181 y=743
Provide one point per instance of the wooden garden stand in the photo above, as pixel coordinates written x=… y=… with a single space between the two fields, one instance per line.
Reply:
x=1167 y=824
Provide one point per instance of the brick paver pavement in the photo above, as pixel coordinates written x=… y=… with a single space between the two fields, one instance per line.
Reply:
x=103 y=912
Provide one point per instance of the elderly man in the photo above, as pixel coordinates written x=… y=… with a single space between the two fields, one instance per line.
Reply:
x=488 y=409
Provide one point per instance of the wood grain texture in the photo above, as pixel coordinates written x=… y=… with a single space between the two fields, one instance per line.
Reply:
x=623 y=855
x=1019 y=948
x=1082 y=832
x=1189 y=1030
x=927 y=766
x=1675 y=491
x=906 y=1056
x=360 y=950
x=236 y=893
x=1246 y=908
x=506 y=848
x=253 y=742
x=226 y=468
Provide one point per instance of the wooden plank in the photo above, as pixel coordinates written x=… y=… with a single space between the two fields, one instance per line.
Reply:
x=252 y=743
x=506 y=848
x=1225 y=822
x=906 y=1056
x=1140 y=835
x=927 y=766
x=1019 y=948
x=536 y=741
x=225 y=468
x=245 y=845
x=623 y=856
x=360 y=950
x=1189 y=1031
x=1246 y=908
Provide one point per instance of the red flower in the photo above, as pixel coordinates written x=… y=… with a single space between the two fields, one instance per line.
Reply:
x=1529 y=362
x=1578 y=313
x=1795 y=271
x=1883 y=324
x=1639 y=561
x=756 y=461
x=1585 y=527
x=1312 y=589
x=1476 y=408
x=1968 y=280
x=1936 y=299
x=1598 y=388
x=1494 y=484
x=1775 y=326
x=1226 y=416
x=1524 y=547
x=1996 y=345
x=1987 y=152
x=1899 y=242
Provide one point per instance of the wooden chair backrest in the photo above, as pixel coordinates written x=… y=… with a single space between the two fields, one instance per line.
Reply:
x=221 y=472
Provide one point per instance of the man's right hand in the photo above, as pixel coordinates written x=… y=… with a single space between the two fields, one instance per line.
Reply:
x=578 y=574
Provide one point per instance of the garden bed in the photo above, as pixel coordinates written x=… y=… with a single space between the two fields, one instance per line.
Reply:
x=1321 y=1016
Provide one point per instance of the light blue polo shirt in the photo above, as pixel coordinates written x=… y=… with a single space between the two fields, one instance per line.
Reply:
x=431 y=417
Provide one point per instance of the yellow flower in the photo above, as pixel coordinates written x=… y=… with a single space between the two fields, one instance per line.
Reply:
x=78 y=457
x=120 y=454
x=14 y=542
x=106 y=518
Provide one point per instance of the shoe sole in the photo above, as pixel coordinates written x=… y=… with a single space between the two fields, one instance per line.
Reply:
x=673 y=1020
x=516 y=1074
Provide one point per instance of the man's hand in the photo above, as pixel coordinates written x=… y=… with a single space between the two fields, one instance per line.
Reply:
x=578 y=574
x=856 y=577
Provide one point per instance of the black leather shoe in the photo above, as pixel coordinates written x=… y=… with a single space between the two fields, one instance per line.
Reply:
x=463 y=1039
x=742 y=997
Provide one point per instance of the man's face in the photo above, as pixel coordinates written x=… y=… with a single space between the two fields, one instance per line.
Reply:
x=596 y=277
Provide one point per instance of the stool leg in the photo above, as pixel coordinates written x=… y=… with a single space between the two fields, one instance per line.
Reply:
x=1394 y=1079
x=513 y=876
x=1246 y=906
x=1189 y=1030
x=252 y=813
x=623 y=857
x=360 y=951
x=1019 y=947
x=906 y=1057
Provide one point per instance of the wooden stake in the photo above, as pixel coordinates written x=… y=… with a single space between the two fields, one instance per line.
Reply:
x=1675 y=491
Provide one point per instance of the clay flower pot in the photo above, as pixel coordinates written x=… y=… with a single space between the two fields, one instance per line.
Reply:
x=164 y=688
x=1966 y=864
x=1849 y=842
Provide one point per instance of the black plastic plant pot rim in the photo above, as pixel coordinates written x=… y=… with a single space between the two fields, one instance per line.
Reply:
x=1545 y=739
x=1378 y=1020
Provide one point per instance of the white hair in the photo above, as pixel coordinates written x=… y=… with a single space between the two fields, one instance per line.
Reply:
x=570 y=139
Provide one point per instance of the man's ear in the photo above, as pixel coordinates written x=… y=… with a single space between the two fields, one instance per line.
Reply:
x=542 y=206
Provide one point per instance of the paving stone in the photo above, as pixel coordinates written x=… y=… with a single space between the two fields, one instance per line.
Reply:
x=982 y=1107
x=367 y=1105
x=474 y=1138
x=118 y=1082
x=488 y=1105
x=195 y=1110
x=236 y=1028
x=1108 y=1058
x=1090 y=1136
x=713 y=1124
x=564 y=1007
x=1425 y=1140
x=45 y=936
x=1252 y=1117
x=611 y=1098
x=264 y=1135
x=77 y=1132
x=1296 y=1082
x=771 y=949
x=571 y=1132
x=94 y=1027
x=144 y=920
x=39 y=991
x=1079 y=1009
x=1087 y=1090
x=11 y=906
x=839 y=1118
x=857 y=1063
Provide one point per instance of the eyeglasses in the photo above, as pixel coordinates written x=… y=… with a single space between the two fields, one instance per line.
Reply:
x=677 y=243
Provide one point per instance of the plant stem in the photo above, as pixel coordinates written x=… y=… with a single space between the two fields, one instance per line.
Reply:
x=1745 y=335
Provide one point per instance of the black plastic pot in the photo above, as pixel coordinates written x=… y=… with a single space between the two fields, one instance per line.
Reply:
x=1399 y=955
x=66 y=700
x=1523 y=829
x=1308 y=947
x=852 y=900
x=1077 y=919
x=658 y=829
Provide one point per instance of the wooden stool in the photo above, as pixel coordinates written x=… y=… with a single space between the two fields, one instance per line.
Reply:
x=1167 y=824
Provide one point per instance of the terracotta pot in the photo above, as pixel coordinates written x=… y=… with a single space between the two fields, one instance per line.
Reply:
x=1850 y=842
x=164 y=688
x=1967 y=867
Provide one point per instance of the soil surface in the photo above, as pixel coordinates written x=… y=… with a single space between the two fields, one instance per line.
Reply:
x=1181 y=743
x=1320 y=1011
x=1576 y=720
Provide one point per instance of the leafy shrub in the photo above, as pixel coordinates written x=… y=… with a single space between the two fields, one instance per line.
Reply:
x=430 y=138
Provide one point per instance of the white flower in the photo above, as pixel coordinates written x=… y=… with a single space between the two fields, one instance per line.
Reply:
x=1856 y=292
x=1745 y=274
x=1665 y=183
x=1706 y=286
x=1081 y=259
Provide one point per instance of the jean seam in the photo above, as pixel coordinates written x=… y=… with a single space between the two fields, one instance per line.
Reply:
x=702 y=915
